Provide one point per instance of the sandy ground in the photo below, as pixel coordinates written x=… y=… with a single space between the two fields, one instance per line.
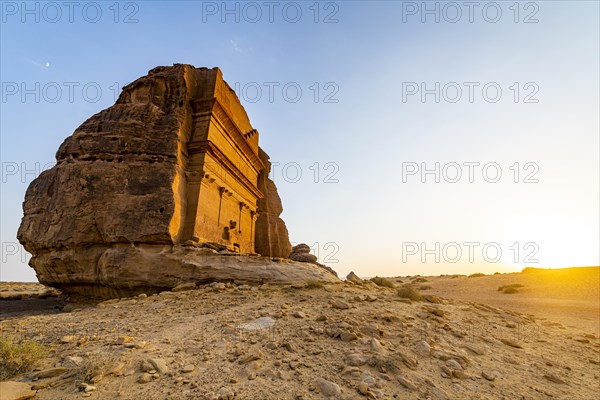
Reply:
x=570 y=296
x=342 y=341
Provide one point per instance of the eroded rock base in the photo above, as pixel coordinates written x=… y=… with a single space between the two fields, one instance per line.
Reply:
x=126 y=270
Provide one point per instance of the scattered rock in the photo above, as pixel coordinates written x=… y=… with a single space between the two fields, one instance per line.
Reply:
x=68 y=339
x=356 y=359
x=299 y=314
x=406 y=383
x=423 y=348
x=511 y=343
x=432 y=299
x=290 y=346
x=348 y=336
x=474 y=349
x=489 y=376
x=446 y=372
x=439 y=394
x=145 y=378
x=146 y=366
x=459 y=374
x=42 y=385
x=376 y=346
x=363 y=388
x=125 y=339
x=554 y=379
x=327 y=388
x=253 y=356
x=409 y=361
x=89 y=388
x=136 y=345
x=452 y=363
x=352 y=277
x=72 y=362
x=188 y=368
x=159 y=365
x=49 y=373
x=340 y=305
x=184 y=286
x=293 y=365
x=371 y=298
x=435 y=310
x=354 y=371
x=117 y=370
x=97 y=378
x=258 y=324
x=10 y=390
x=225 y=393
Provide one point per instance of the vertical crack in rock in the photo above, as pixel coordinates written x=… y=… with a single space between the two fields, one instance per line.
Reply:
x=271 y=233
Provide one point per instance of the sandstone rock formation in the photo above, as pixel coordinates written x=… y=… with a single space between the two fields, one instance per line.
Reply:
x=175 y=161
x=271 y=232
x=301 y=253
x=121 y=271
x=352 y=277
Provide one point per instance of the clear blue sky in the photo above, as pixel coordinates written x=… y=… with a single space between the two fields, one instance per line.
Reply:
x=369 y=73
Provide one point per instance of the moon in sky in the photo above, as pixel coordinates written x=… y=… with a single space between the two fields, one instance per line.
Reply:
x=47 y=64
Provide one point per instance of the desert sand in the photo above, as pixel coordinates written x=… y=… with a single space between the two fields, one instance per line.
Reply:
x=346 y=341
x=570 y=296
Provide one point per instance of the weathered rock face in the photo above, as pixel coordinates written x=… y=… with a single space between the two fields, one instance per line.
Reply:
x=118 y=271
x=113 y=178
x=158 y=169
x=271 y=233
x=301 y=252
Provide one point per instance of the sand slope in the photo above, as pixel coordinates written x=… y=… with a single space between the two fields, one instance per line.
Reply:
x=570 y=296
